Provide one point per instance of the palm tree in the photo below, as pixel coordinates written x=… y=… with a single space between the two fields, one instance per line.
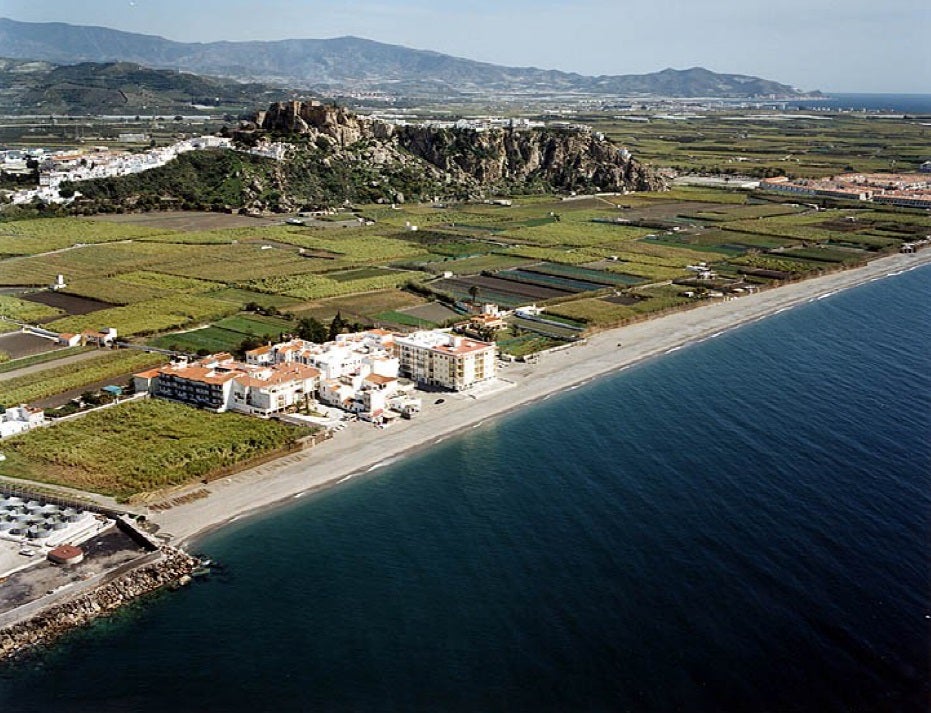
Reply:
x=473 y=293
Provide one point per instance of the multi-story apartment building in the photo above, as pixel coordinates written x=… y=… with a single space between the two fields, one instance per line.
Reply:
x=446 y=360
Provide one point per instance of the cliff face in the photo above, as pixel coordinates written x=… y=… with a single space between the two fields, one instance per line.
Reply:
x=477 y=161
x=561 y=160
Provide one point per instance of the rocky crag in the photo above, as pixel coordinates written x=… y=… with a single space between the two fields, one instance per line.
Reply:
x=465 y=159
x=174 y=566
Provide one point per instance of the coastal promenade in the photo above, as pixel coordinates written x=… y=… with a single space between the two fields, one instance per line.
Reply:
x=362 y=449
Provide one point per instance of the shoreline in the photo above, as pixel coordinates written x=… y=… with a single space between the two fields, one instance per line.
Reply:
x=361 y=449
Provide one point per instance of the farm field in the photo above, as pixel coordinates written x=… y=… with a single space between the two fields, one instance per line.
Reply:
x=224 y=335
x=58 y=379
x=141 y=447
x=366 y=306
x=182 y=280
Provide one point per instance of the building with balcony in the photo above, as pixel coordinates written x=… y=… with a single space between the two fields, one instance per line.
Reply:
x=449 y=361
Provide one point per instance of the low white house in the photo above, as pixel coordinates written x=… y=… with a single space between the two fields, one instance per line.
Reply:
x=20 y=419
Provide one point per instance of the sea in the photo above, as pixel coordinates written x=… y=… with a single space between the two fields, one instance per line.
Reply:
x=740 y=525
x=896 y=103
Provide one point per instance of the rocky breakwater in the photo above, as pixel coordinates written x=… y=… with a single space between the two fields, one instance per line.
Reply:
x=172 y=567
x=465 y=161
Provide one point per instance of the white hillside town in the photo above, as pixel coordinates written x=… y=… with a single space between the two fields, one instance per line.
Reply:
x=60 y=167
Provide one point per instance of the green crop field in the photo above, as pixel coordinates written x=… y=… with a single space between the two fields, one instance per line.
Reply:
x=142 y=447
x=29 y=237
x=24 y=310
x=255 y=325
x=209 y=339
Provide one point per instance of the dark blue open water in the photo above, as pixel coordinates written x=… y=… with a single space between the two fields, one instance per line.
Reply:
x=740 y=526
x=904 y=103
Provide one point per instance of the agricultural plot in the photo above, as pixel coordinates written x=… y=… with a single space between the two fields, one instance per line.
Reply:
x=187 y=221
x=599 y=277
x=824 y=253
x=90 y=261
x=224 y=335
x=112 y=290
x=527 y=277
x=25 y=310
x=142 y=446
x=366 y=306
x=210 y=340
x=16 y=345
x=421 y=316
x=359 y=246
x=604 y=313
x=168 y=283
x=744 y=212
x=59 y=379
x=476 y=264
x=263 y=299
x=31 y=237
x=235 y=263
x=314 y=286
x=505 y=293
x=42 y=357
x=151 y=316
x=67 y=304
x=255 y=325
x=586 y=233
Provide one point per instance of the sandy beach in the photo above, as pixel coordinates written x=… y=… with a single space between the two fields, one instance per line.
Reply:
x=361 y=449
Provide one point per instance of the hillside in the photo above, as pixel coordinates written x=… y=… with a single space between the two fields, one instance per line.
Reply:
x=348 y=63
x=119 y=87
x=338 y=156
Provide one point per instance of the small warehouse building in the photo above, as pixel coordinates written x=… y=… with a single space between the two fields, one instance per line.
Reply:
x=66 y=554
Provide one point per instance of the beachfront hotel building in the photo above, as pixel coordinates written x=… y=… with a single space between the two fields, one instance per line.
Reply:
x=219 y=383
x=446 y=360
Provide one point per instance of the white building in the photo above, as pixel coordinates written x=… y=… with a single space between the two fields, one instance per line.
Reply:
x=20 y=419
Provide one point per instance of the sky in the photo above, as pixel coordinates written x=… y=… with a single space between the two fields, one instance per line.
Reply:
x=832 y=45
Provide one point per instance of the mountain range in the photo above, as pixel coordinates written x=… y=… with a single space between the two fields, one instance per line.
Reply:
x=355 y=64
x=32 y=87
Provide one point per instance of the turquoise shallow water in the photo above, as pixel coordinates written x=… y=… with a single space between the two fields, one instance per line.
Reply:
x=741 y=525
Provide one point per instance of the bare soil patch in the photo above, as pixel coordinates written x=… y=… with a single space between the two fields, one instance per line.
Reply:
x=72 y=304
x=19 y=345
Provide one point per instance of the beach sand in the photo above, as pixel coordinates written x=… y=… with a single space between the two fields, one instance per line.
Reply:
x=361 y=448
